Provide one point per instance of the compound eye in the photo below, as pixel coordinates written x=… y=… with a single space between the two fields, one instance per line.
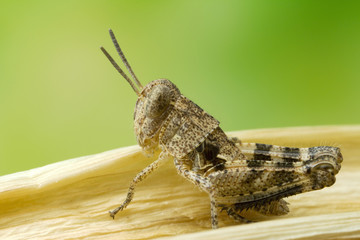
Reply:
x=157 y=101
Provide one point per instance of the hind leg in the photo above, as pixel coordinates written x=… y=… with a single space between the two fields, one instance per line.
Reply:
x=235 y=215
x=274 y=208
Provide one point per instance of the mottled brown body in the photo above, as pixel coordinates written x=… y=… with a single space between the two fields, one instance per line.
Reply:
x=236 y=175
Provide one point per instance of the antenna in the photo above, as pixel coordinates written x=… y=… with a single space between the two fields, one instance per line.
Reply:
x=117 y=67
x=122 y=56
x=120 y=70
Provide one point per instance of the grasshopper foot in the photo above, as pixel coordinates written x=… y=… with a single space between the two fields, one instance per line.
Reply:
x=115 y=211
x=112 y=214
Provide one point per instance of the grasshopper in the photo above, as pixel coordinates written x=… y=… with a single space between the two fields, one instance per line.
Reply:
x=236 y=175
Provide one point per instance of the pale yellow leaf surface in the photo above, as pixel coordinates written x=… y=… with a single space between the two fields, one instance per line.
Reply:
x=71 y=199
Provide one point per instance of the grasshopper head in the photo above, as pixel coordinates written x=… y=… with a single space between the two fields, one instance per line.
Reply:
x=324 y=164
x=155 y=102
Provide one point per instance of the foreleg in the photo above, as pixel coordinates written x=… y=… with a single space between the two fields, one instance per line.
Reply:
x=139 y=177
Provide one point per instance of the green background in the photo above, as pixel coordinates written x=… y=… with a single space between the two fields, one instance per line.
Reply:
x=250 y=64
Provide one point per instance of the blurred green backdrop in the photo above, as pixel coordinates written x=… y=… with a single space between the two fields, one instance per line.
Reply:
x=251 y=64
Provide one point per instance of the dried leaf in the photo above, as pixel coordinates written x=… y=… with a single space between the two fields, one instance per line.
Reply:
x=71 y=199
